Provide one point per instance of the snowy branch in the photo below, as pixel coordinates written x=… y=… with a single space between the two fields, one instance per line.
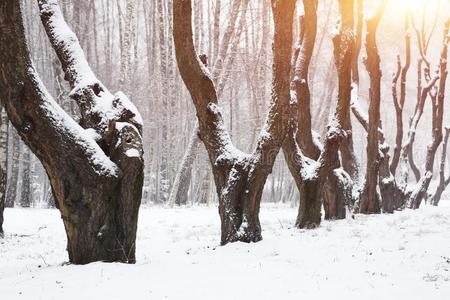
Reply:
x=98 y=106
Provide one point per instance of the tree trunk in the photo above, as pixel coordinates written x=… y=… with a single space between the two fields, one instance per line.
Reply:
x=26 y=198
x=97 y=189
x=437 y=104
x=443 y=182
x=3 y=162
x=399 y=103
x=239 y=177
x=11 y=188
x=370 y=202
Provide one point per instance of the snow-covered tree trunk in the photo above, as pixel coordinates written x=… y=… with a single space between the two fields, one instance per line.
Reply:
x=95 y=168
x=11 y=188
x=180 y=187
x=437 y=104
x=127 y=47
x=3 y=161
x=239 y=177
x=220 y=71
x=311 y=173
x=26 y=197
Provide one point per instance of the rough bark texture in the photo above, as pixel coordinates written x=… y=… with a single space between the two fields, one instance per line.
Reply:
x=334 y=191
x=311 y=173
x=97 y=190
x=239 y=177
x=370 y=202
x=301 y=82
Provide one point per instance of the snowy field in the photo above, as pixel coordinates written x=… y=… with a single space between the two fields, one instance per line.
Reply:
x=400 y=256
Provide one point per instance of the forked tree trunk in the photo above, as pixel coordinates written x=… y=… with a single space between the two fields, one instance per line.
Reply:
x=334 y=192
x=311 y=173
x=437 y=96
x=97 y=190
x=239 y=177
x=180 y=187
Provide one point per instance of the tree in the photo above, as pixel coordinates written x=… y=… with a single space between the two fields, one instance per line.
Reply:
x=370 y=202
x=239 y=177
x=11 y=188
x=3 y=162
x=95 y=167
x=402 y=72
x=311 y=168
x=221 y=66
x=437 y=95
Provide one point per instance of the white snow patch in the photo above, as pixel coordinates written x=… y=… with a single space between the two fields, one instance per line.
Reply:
x=399 y=256
x=132 y=153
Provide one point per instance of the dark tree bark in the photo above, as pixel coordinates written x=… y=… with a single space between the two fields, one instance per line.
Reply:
x=335 y=192
x=311 y=174
x=348 y=157
x=239 y=177
x=180 y=188
x=301 y=82
x=97 y=182
x=392 y=195
x=370 y=202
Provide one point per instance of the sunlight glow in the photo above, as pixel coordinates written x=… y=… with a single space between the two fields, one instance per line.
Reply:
x=413 y=5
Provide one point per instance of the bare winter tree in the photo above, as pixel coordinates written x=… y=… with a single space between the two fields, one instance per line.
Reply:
x=399 y=103
x=3 y=161
x=95 y=167
x=239 y=177
x=395 y=195
x=444 y=181
x=437 y=95
x=370 y=202
x=222 y=49
x=127 y=45
x=312 y=168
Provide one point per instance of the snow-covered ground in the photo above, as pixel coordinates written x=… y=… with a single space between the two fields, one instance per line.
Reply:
x=400 y=256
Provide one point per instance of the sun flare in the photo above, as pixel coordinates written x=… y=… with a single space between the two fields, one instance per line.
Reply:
x=413 y=5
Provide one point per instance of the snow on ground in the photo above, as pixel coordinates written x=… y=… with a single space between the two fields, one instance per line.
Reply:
x=400 y=256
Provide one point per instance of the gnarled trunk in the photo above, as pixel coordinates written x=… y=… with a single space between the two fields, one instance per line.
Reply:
x=239 y=177
x=97 y=187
